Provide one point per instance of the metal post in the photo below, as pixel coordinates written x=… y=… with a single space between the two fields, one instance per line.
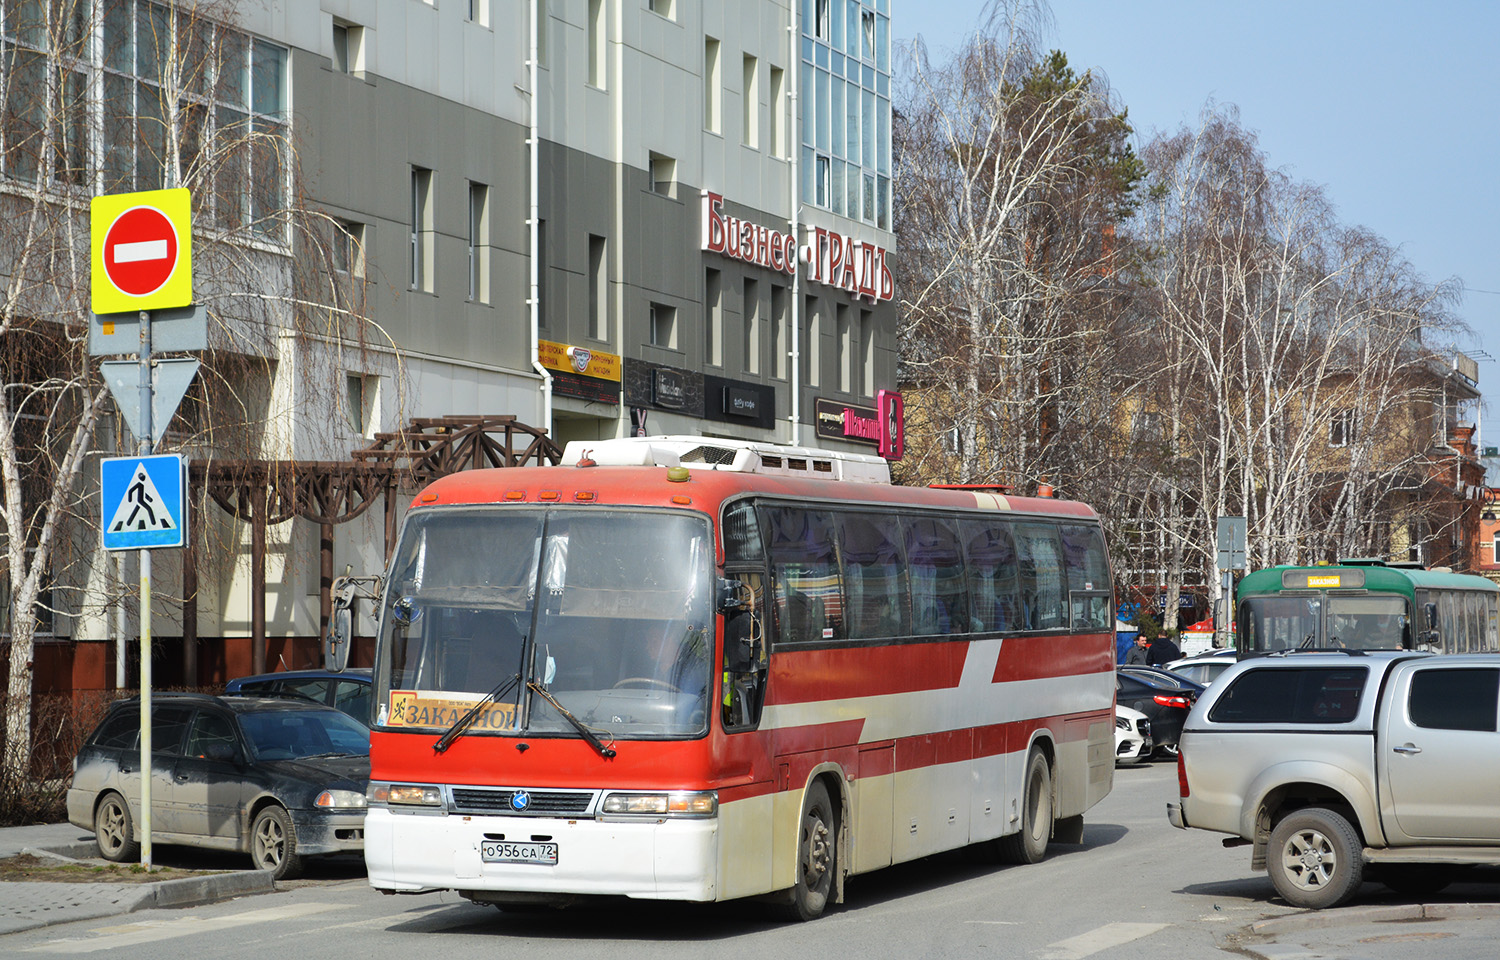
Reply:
x=145 y=444
x=122 y=646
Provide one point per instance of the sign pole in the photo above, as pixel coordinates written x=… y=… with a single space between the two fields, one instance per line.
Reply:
x=145 y=444
x=140 y=253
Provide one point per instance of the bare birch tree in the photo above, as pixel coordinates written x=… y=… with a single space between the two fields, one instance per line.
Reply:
x=110 y=96
x=1011 y=173
x=1290 y=357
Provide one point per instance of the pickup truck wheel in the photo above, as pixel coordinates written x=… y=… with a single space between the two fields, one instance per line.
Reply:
x=1315 y=859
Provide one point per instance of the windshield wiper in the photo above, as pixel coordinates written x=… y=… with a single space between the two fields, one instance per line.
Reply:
x=583 y=730
x=463 y=722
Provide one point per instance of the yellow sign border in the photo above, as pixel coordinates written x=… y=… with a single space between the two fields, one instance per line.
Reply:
x=177 y=206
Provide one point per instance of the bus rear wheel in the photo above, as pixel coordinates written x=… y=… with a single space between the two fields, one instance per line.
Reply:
x=1029 y=844
x=817 y=858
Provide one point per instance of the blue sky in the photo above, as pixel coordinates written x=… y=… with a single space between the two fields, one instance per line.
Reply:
x=1394 y=108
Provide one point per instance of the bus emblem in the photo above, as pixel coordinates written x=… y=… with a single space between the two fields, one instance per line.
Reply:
x=520 y=800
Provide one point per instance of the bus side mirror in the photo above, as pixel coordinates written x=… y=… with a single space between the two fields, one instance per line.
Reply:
x=340 y=637
x=733 y=595
x=336 y=644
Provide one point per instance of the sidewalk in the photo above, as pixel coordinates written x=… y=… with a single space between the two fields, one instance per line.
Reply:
x=27 y=905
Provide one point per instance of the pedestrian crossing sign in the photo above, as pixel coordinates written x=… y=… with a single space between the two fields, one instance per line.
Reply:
x=143 y=501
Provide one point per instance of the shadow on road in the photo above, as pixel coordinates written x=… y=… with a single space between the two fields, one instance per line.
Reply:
x=603 y=919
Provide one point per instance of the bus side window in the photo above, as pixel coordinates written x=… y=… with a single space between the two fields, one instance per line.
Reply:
x=874 y=581
x=809 y=592
x=935 y=566
x=991 y=554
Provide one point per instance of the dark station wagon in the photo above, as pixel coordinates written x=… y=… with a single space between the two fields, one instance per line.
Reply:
x=280 y=779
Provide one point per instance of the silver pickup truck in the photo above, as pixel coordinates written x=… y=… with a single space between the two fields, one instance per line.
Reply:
x=1342 y=767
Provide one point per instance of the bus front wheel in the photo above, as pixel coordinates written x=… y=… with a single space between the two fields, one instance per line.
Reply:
x=817 y=858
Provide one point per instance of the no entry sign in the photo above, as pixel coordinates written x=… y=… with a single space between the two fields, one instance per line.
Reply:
x=142 y=251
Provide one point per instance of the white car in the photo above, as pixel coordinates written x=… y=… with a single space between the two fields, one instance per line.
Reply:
x=1132 y=736
x=1204 y=667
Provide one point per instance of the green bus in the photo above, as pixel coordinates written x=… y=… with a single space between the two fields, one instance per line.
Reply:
x=1366 y=605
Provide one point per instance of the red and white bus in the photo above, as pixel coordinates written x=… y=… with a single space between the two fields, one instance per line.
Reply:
x=691 y=669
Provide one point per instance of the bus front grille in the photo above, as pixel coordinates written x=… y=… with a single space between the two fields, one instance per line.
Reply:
x=537 y=803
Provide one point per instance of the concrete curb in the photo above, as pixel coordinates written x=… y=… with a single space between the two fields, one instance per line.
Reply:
x=191 y=891
x=1406 y=911
x=28 y=906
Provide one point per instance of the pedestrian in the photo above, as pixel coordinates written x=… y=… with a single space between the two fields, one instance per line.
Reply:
x=1163 y=651
x=1138 y=653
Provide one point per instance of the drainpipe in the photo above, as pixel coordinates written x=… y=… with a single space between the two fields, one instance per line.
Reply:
x=794 y=141
x=533 y=144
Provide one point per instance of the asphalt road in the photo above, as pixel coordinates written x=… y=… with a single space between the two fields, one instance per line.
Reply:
x=1136 y=888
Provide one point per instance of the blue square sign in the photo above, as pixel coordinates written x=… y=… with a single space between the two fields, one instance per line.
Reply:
x=143 y=501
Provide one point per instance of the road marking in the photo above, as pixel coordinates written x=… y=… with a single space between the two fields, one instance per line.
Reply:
x=1109 y=935
x=140 y=250
x=148 y=931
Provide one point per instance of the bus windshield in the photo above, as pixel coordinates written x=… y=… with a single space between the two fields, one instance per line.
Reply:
x=609 y=611
x=1322 y=621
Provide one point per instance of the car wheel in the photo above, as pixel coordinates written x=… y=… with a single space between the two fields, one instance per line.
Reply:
x=817 y=858
x=1315 y=858
x=114 y=831
x=1029 y=844
x=273 y=844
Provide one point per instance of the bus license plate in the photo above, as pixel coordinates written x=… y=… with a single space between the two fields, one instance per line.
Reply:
x=502 y=851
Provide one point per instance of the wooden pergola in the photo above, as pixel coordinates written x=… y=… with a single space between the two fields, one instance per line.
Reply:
x=264 y=493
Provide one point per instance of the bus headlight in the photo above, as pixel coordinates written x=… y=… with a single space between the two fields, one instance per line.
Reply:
x=405 y=794
x=658 y=805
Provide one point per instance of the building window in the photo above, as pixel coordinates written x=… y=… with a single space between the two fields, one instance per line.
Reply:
x=663 y=8
x=360 y=393
x=750 y=310
x=867 y=352
x=543 y=261
x=1341 y=428
x=750 y=125
x=1495 y=548
x=1146 y=426
x=663 y=175
x=479 y=242
x=423 y=238
x=820 y=19
x=663 y=326
x=778 y=112
x=780 y=323
x=712 y=85
x=812 y=336
x=231 y=99
x=844 y=346
x=543 y=22
x=844 y=100
x=347 y=248
x=598 y=289
x=713 y=307
x=821 y=181
x=597 y=49
x=479 y=11
x=348 y=47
